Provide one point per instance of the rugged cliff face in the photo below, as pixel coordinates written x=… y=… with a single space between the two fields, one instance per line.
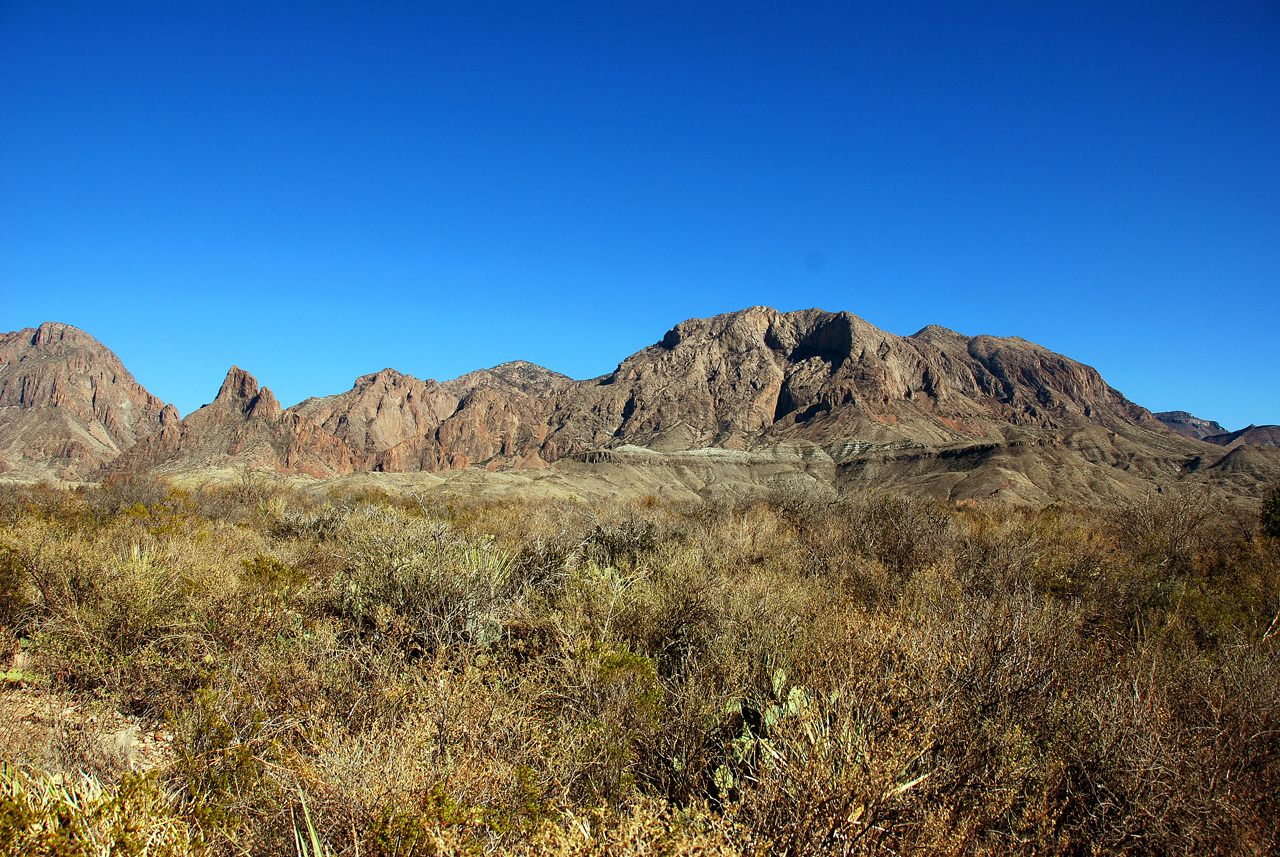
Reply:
x=756 y=376
x=67 y=404
x=384 y=417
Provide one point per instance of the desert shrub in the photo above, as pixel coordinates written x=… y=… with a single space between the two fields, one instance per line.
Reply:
x=592 y=600
x=799 y=674
x=15 y=589
x=675 y=614
x=120 y=492
x=97 y=624
x=904 y=534
x=1269 y=515
x=224 y=745
x=21 y=503
x=303 y=521
x=408 y=579
x=271 y=576
x=11 y=505
x=1234 y=602
x=1165 y=528
x=748 y=539
x=544 y=562
x=616 y=710
x=624 y=543
x=868 y=545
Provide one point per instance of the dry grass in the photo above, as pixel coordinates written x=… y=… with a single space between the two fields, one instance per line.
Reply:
x=803 y=675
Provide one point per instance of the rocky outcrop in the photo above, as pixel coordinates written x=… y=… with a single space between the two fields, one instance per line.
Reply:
x=385 y=416
x=68 y=405
x=1189 y=425
x=244 y=426
x=405 y=424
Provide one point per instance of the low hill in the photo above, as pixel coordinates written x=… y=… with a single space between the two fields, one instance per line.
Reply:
x=1250 y=434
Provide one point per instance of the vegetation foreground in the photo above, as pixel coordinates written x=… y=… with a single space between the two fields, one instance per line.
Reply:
x=251 y=669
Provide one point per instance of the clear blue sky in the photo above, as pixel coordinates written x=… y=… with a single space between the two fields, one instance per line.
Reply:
x=316 y=190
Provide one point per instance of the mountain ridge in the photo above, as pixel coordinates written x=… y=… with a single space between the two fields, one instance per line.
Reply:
x=937 y=411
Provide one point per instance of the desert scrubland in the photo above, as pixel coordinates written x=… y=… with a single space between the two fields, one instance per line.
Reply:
x=254 y=668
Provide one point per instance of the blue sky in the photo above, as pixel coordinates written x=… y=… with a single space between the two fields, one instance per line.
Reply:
x=317 y=190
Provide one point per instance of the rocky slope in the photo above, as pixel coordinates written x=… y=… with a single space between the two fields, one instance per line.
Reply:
x=68 y=405
x=384 y=417
x=1192 y=426
x=757 y=376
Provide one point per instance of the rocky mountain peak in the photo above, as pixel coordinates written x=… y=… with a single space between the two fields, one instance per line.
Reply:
x=519 y=375
x=70 y=404
x=240 y=392
x=238 y=386
x=386 y=376
x=931 y=331
x=51 y=334
x=385 y=415
x=529 y=376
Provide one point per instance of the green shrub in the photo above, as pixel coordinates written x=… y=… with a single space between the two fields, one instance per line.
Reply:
x=224 y=747
x=618 y=706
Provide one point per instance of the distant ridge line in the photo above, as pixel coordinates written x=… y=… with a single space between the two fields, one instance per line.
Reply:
x=823 y=394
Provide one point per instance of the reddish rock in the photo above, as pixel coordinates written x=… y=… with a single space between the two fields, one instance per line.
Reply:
x=386 y=416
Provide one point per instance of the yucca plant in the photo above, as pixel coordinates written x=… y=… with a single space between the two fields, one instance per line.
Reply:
x=76 y=815
x=307 y=844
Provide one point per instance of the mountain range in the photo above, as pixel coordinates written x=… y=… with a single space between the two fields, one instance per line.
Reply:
x=755 y=398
